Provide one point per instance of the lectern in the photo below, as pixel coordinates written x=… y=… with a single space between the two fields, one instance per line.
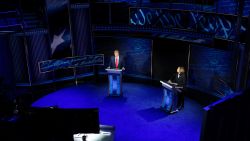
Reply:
x=170 y=97
x=115 y=82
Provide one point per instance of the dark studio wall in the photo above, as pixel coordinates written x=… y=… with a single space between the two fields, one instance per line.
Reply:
x=6 y=69
x=111 y=13
x=167 y=56
x=7 y=80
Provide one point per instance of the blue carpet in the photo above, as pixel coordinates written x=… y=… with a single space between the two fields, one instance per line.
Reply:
x=136 y=116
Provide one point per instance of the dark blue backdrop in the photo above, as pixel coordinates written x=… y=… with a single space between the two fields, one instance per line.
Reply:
x=208 y=65
x=6 y=69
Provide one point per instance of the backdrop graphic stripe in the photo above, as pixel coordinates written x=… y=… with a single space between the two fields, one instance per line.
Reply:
x=39 y=50
x=19 y=59
x=81 y=30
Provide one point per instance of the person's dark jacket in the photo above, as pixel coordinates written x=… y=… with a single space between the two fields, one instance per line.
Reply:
x=112 y=62
x=181 y=81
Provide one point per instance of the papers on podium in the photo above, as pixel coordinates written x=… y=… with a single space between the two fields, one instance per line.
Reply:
x=171 y=86
x=114 y=70
x=166 y=85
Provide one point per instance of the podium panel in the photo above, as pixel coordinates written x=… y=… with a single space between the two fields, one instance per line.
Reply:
x=115 y=82
x=170 y=97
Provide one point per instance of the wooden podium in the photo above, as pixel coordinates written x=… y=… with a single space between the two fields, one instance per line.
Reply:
x=115 y=82
x=170 y=97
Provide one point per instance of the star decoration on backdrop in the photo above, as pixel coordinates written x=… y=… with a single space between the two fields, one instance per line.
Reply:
x=57 y=40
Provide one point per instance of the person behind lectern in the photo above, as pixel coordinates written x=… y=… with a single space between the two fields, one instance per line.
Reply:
x=116 y=61
x=179 y=80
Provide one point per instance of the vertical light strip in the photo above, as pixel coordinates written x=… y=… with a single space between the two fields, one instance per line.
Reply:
x=189 y=53
x=72 y=40
x=27 y=57
x=152 y=48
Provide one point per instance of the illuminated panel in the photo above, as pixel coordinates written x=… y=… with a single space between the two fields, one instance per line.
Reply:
x=88 y=60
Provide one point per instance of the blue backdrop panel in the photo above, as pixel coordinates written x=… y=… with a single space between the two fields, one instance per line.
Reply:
x=81 y=29
x=81 y=32
x=38 y=50
x=58 y=18
x=207 y=65
x=18 y=53
x=60 y=34
x=137 y=53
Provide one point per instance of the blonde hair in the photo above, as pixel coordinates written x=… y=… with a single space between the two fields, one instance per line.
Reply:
x=181 y=69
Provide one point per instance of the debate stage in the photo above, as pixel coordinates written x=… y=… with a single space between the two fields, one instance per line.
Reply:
x=136 y=116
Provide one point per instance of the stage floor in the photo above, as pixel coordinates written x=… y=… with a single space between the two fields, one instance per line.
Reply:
x=136 y=116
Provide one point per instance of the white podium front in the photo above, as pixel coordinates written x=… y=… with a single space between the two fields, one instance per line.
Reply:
x=102 y=136
x=106 y=134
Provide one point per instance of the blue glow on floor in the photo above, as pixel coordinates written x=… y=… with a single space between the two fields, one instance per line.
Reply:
x=136 y=116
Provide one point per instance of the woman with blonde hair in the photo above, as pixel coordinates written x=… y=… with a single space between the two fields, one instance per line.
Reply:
x=179 y=80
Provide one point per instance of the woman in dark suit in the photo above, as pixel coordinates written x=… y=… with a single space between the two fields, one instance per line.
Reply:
x=179 y=79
